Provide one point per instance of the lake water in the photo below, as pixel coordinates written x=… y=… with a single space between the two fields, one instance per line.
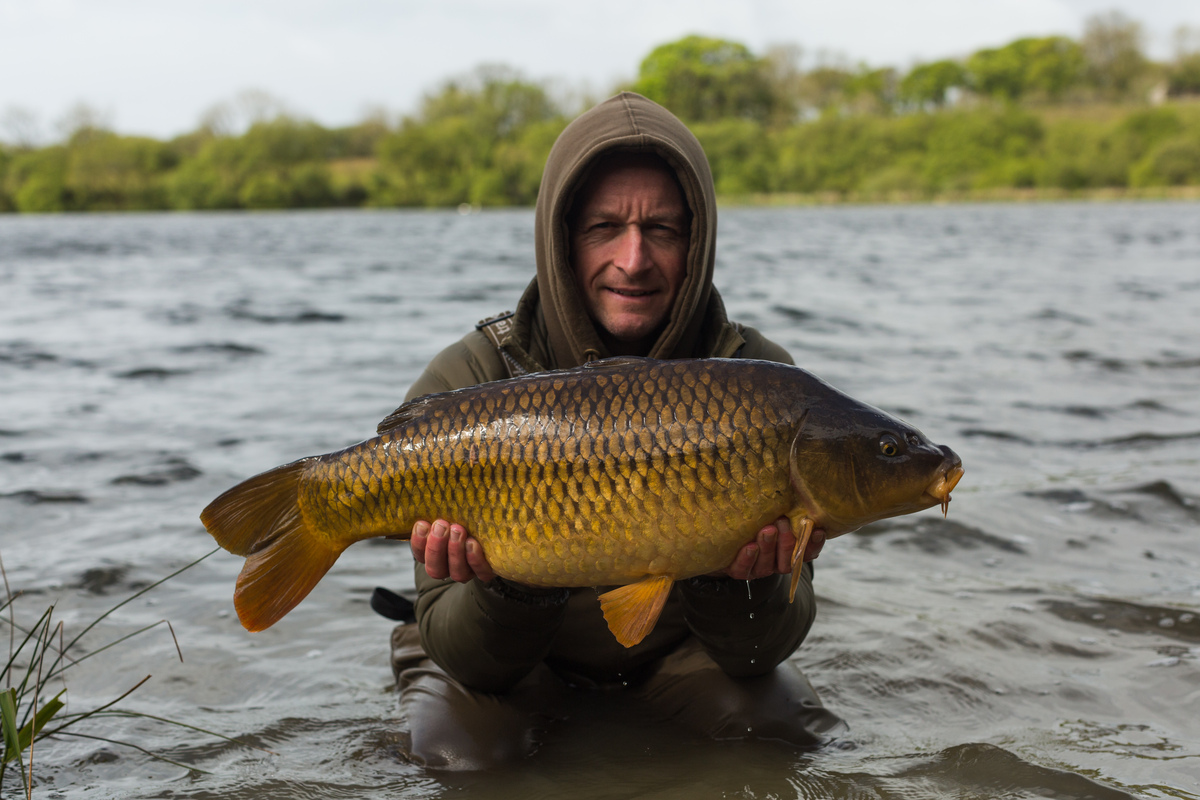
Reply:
x=1043 y=641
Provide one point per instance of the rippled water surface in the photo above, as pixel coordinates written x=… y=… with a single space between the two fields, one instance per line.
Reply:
x=1043 y=641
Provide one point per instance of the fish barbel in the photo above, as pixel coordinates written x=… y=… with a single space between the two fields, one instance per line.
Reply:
x=629 y=472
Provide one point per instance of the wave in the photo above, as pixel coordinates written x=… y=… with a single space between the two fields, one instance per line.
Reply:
x=25 y=355
x=1133 y=440
x=1129 y=617
x=1077 y=500
x=152 y=373
x=241 y=310
x=939 y=536
x=220 y=348
x=37 y=496
x=172 y=470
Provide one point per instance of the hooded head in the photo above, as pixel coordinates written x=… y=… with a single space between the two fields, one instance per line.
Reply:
x=627 y=123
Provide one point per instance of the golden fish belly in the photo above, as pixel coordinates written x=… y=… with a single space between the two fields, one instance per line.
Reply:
x=666 y=470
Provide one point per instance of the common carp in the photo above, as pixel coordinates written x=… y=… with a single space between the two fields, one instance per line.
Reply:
x=630 y=472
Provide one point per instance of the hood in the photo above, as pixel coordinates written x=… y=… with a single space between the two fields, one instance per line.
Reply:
x=626 y=122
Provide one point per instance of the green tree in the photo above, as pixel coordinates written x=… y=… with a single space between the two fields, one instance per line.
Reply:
x=37 y=180
x=482 y=140
x=6 y=201
x=1041 y=68
x=701 y=79
x=824 y=87
x=872 y=90
x=785 y=79
x=1112 y=47
x=106 y=171
x=929 y=84
x=1183 y=73
x=1175 y=162
x=740 y=153
x=274 y=164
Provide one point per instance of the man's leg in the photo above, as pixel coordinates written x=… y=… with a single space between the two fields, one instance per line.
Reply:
x=449 y=726
x=687 y=686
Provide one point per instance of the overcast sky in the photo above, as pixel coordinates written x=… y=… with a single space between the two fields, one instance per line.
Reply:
x=154 y=66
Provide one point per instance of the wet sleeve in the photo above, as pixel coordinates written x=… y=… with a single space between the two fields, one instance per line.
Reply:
x=487 y=637
x=749 y=627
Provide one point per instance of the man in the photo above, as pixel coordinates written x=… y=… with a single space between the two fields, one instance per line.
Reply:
x=625 y=242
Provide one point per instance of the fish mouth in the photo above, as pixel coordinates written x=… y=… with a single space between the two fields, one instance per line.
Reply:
x=941 y=487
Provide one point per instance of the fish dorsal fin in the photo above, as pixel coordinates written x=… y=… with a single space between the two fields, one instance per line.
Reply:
x=615 y=363
x=412 y=410
x=632 y=611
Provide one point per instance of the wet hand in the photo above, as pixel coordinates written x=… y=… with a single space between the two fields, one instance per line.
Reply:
x=771 y=552
x=448 y=551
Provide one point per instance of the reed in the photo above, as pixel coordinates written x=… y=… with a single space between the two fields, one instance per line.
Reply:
x=40 y=653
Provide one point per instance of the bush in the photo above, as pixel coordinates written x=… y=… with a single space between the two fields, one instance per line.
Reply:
x=982 y=149
x=481 y=141
x=36 y=180
x=740 y=153
x=113 y=173
x=6 y=202
x=275 y=164
x=1175 y=162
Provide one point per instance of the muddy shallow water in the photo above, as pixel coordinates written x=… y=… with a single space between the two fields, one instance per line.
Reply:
x=1042 y=641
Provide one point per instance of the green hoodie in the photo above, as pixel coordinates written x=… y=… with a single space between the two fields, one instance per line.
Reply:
x=490 y=636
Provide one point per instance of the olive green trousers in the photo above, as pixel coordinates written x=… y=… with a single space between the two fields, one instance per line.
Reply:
x=449 y=726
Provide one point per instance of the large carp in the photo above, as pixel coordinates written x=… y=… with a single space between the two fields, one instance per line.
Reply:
x=631 y=472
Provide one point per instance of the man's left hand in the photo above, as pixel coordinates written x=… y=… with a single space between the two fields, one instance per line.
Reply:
x=771 y=552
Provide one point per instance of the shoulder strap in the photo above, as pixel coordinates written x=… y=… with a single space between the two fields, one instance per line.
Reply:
x=495 y=329
x=741 y=329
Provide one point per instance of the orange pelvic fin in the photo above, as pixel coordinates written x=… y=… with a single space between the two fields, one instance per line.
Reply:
x=632 y=611
x=260 y=519
x=803 y=534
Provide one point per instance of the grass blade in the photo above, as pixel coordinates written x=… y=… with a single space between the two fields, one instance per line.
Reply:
x=55 y=669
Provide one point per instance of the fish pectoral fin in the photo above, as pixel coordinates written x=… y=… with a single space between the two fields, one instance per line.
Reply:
x=631 y=611
x=804 y=531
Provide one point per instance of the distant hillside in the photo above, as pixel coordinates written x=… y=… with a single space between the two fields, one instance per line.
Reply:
x=1037 y=117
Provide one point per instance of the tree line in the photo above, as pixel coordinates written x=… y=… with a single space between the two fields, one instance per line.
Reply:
x=1037 y=113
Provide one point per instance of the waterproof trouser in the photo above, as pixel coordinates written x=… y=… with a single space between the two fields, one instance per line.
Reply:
x=449 y=726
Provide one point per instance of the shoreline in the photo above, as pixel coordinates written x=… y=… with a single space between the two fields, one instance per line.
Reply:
x=762 y=200
x=1108 y=194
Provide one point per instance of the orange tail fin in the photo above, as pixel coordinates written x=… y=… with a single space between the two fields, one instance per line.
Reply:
x=260 y=519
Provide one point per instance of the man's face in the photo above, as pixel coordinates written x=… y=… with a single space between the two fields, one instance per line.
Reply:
x=629 y=245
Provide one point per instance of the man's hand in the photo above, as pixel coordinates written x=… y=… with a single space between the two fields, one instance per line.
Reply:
x=771 y=552
x=448 y=551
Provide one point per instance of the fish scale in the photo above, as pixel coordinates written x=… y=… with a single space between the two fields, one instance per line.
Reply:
x=629 y=472
x=525 y=483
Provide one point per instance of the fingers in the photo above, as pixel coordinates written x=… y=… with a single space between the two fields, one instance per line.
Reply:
x=420 y=536
x=743 y=563
x=815 y=543
x=756 y=559
x=787 y=543
x=457 y=555
x=771 y=552
x=437 y=543
x=478 y=562
x=448 y=551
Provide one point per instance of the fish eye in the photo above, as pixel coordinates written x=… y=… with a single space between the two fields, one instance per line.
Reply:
x=888 y=445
